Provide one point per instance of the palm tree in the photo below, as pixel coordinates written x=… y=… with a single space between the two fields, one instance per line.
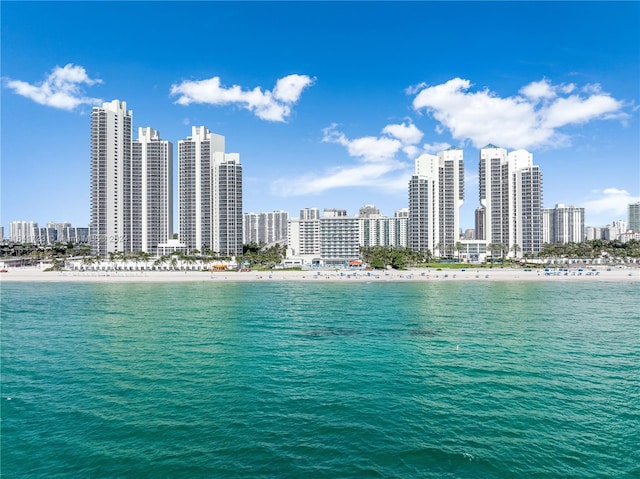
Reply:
x=516 y=249
x=458 y=247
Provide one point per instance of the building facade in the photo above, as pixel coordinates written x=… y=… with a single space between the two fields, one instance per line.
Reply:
x=265 y=228
x=24 y=232
x=110 y=223
x=379 y=230
x=563 y=224
x=633 y=222
x=510 y=193
x=151 y=191
x=436 y=193
x=210 y=194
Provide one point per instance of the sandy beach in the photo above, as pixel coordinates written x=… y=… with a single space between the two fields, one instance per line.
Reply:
x=615 y=274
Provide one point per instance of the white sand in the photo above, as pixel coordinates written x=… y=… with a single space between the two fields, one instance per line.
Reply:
x=29 y=274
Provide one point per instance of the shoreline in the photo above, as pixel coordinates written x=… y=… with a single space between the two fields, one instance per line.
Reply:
x=36 y=275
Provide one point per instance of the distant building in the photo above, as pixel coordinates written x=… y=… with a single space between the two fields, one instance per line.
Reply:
x=265 y=228
x=24 y=232
x=210 y=194
x=379 y=230
x=510 y=191
x=563 y=224
x=634 y=217
x=60 y=229
x=594 y=233
x=617 y=228
x=369 y=211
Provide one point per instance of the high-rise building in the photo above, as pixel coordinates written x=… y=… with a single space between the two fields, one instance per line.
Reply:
x=634 y=217
x=563 y=224
x=339 y=237
x=379 y=230
x=510 y=191
x=436 y=193
x=151 y=191
x=24 y=232
x=210 y=194
x=110 y=227
x=265 y=228
x=369 y=211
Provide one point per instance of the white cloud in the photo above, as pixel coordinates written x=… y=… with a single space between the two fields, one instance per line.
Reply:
x=376 y=163
x=610 y=204
x=529 y=120
x=538 y=90
x=266 y=105
x=435 y=147
x=62 y=88
x=407 y=134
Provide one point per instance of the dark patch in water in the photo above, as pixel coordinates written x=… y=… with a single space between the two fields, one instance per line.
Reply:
x=422 y=332
x=326 y=332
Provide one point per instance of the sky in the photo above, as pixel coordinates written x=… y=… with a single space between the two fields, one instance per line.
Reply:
x=327 y=103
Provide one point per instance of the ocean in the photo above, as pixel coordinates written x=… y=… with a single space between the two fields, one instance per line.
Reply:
x=320 y=380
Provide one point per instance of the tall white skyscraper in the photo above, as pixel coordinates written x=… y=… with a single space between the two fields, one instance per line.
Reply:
x=436 y=193
x=210 y=194
x=151 y=191
x=510 y=190
x=110 y=226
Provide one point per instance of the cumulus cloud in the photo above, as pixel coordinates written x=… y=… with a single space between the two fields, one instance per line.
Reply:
x=532 y=119
x=265 y=104
x=376 y=164
x=62 y=88
x=434 y=148
x=611 y=203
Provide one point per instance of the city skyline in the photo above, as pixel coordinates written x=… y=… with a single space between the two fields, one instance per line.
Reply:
x=331 y=107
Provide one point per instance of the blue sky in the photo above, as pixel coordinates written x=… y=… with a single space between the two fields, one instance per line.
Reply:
x=327 y=103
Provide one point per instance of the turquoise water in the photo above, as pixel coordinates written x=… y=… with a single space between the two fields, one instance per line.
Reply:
x=291 y=380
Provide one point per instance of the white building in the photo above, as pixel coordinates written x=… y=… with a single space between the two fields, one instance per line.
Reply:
x=379 y=230
x=332 y=239
x=24 y=232
x=151 y=191
x=210 y=194
x=265 y=228
x=110 y=227
x=436 y=193
x=563 y=224
x=303 y=234
x=510 y=191
x=339 y=238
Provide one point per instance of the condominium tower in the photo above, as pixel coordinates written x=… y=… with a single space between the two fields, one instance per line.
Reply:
x=436 y=193
x=265 y=228
x=634 y=217
x=131 y=189
x=210 y=194
x=110 y=226
x=563 y=224
x=151 y=191
x=510 y=191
